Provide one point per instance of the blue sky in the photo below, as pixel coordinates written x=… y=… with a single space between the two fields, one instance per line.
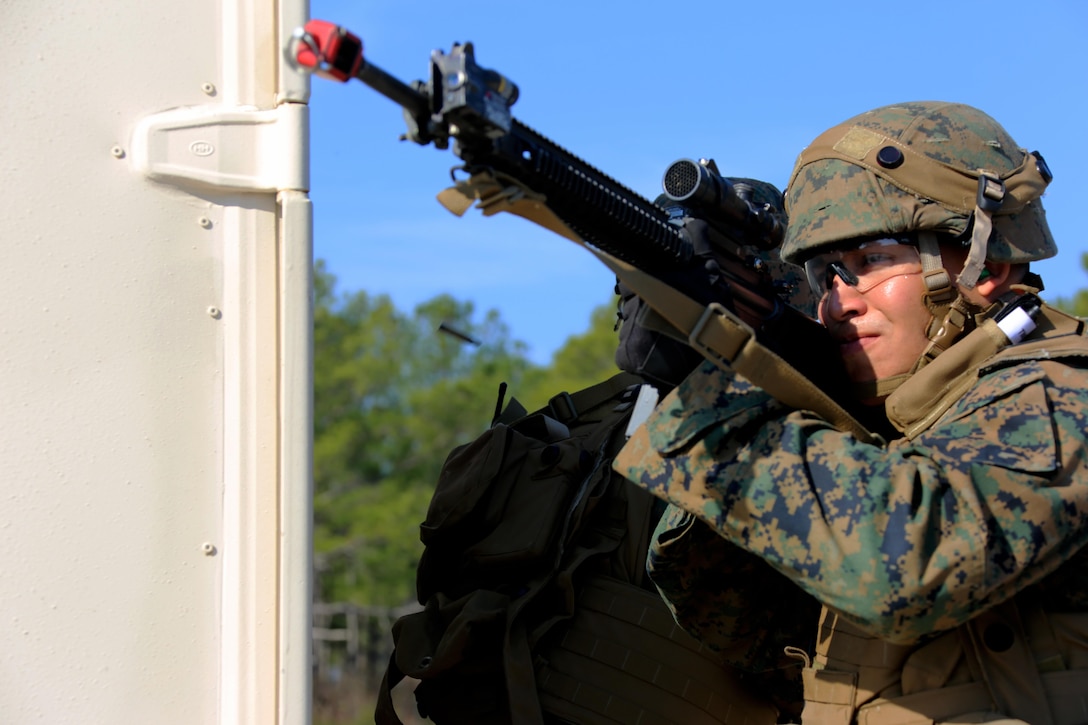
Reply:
x=631 y=87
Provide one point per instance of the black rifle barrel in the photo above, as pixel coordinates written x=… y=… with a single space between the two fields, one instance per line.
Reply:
x=394 y=89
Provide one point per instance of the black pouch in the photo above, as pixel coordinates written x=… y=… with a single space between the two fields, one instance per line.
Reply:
x=496 y=510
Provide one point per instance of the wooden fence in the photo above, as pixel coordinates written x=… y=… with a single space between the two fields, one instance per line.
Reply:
x=354 y=637
x=351 y=645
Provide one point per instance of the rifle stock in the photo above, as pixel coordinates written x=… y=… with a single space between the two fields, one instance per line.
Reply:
x=468 y=107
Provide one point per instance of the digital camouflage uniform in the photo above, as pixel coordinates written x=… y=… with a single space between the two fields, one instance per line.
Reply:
x=950 y=560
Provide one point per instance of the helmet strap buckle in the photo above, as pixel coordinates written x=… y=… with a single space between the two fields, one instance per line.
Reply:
x=991 y=191
x=958 y=318
x=991 y=194
x=939 y=288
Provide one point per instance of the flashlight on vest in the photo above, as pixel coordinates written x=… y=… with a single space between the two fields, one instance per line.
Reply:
x=1018 y=319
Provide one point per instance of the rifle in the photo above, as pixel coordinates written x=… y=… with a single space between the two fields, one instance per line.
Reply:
x=513 y=168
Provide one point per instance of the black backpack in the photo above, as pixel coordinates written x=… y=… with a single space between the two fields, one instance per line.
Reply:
x=535 y=554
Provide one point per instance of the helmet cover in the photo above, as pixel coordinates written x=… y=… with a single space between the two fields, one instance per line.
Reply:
x=914 y=167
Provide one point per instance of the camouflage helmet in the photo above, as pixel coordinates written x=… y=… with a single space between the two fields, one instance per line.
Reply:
x=913 y=167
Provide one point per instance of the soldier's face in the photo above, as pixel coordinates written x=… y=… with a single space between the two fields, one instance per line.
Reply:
x=880 y=330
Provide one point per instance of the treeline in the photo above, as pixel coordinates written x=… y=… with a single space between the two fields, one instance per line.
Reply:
x=393 y=395
x=1078 y=304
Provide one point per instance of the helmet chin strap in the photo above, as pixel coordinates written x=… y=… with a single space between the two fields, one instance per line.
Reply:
x=953 y=314
x=991 y=192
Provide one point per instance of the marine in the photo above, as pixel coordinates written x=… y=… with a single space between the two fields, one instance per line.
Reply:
x=948 y=552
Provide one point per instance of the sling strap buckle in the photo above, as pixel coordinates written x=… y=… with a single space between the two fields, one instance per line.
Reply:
x=720 y=332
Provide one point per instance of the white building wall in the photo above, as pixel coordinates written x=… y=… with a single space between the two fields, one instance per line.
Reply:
x=154 y=364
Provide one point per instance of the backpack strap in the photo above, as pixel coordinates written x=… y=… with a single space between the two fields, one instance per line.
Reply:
x=566 y=407
x=384 y=712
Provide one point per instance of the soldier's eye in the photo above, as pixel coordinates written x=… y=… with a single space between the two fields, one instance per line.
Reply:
x=876 y=259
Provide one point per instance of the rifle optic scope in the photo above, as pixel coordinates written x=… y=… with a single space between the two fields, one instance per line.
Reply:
x=698 y=186
x=692 y=182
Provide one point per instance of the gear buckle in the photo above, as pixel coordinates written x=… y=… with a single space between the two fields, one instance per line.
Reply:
x=991 y=191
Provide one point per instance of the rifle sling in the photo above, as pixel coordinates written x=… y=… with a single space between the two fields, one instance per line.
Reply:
x=715 y=332
x=727 y=341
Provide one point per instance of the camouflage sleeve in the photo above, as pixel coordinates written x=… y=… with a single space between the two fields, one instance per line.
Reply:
x=904 y=539
x=726 y=597
x=734 y=603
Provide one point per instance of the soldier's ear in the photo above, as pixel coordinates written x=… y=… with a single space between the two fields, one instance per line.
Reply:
x=993 y=280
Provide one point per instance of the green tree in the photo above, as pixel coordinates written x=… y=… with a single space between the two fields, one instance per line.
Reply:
x=392 y=397
x=1079 y=304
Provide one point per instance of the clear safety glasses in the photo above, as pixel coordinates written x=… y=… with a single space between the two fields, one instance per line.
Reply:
x=865 y=266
